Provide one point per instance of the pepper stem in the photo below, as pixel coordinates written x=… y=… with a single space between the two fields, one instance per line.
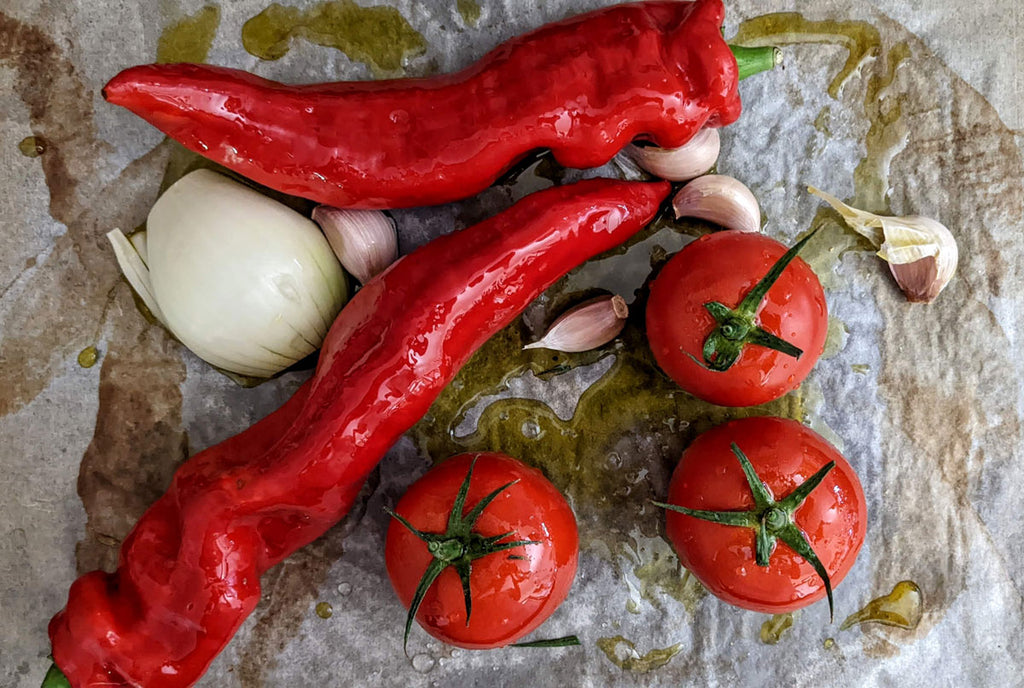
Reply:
x=458 y=547
x=55 y=678
x=755 y=60
x=770 y=520
x=737 y=327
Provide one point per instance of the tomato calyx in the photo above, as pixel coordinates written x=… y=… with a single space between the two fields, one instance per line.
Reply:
x=737 y=327
x=770 y=520
x=458 y=546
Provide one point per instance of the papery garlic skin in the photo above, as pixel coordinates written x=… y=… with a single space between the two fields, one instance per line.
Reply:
x=365 y=241
x=921 y=252
x=587 y=326
x=248 y=284
x=720 y=199
x=692 y=159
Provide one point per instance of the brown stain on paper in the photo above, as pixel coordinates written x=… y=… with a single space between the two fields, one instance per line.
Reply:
x=137 y=444
x=78 y=291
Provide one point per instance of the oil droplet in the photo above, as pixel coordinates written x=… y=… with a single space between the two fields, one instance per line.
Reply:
x=324 y=610
x=835 y=339
x=379 y=37
x=829 y=643
x=901 y=608
x=190 y=38
x=624 y=655
x=470 y=11
x=531 y=430
x=32 y=146
x=88 y=356
x=860 y=368
x=345 y=589
x=773 y=628
x=422 y=663
x=822 y=120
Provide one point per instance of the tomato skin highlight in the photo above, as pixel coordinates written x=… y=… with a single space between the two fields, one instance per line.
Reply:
x=511 y=597
x=724 y=267
x=784 y=454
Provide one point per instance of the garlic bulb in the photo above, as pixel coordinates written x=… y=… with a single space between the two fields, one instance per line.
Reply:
x=692 y=159
x=245 y=282
x=364 y=241
x=586 y=327
x=921 y=252
x=719 y=199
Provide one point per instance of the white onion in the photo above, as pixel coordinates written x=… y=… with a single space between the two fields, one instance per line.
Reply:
x=247 y=283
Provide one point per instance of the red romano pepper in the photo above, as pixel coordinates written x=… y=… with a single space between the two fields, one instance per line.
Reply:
x=189 y=572
x=582 y=88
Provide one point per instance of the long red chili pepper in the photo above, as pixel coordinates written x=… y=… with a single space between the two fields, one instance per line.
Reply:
x=189 y=571
x=582 y=88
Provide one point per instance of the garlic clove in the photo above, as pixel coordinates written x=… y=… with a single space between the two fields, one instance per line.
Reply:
x=586 y=326
x=692 y=159
x=921 y=252
x=365 y=241
x=720 y=199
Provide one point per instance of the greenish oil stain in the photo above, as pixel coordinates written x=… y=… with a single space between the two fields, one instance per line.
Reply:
x=379 y=37
x=829 y=643
x=886 y=136
x=860 y=368
x=470 y=11
x=821 y=122
x=861 y=39
x=774 y=627
x=834 y=240
x=189 y=39
x=835 y=339
x=629 y=428
x=324 y=610
x=624 y=655
x=903 y=608
x=88 y=356
x=32 y=146
x=887 y=131
x=664 y=574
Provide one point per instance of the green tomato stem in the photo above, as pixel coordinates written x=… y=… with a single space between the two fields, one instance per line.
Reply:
x=770 y=520
x=738 y=327
x=457 y=547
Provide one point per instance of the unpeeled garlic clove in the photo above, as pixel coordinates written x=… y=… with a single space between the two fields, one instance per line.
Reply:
x=921 y=252
x=364 y=241
x=586 y=326
x=720 y=199
x=692 y=159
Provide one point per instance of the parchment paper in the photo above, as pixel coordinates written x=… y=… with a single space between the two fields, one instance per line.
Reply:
x=926 y=401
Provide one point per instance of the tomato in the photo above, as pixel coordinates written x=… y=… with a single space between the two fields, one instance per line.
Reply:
x=512 y=590
x=719 y=271
x=785 y=455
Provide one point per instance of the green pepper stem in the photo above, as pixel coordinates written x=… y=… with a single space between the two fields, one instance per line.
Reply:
x=55 y=678
x=755 y=60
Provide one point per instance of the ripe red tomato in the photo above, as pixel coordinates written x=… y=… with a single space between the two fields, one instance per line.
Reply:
x=513 y=590
x=785 y=455
x=723 y=268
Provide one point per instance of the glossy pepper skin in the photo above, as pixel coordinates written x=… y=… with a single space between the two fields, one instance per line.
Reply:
x=583 y=88
x=189 y=572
